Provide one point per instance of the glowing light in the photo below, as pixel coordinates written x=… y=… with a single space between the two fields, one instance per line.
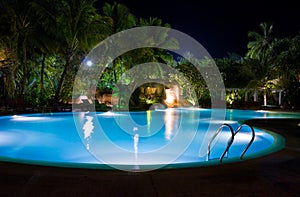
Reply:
x=135 y=129
x=170 y=98
x=220 y=121
x=135 y=144
x=88 y=130
x=243 y=138
x=149 y=121
x=110 y=114
x=262 y=111
x=89 y=63
x=25 y=118
x=170 y=123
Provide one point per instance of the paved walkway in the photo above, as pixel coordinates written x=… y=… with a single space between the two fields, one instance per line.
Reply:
x=277 y=174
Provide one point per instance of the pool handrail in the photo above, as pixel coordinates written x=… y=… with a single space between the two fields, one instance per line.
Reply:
x=252 y=138
x=229 y=143
x=233 y=133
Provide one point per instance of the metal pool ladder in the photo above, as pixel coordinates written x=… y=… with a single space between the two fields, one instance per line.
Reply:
x=230 y=141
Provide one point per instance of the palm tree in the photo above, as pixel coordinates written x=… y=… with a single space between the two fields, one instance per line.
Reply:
x=259 y=51
x=75 y=28
x=45 y=44
x=16 y=21
x=120 y=19
x=286 y=66
x=258 y=47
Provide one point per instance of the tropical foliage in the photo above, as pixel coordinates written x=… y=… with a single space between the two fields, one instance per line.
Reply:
x=271 y=63
x=42 y=43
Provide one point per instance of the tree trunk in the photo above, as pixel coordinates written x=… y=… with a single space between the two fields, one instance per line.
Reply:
x=24 y=70
x=61 y=82
x=114 y=72
x=42 y=73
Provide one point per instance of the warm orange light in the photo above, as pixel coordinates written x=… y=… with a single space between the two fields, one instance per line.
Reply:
x=169 y=123
x=170 y=100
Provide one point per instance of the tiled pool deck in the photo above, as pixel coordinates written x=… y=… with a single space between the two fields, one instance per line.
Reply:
x=277 y=174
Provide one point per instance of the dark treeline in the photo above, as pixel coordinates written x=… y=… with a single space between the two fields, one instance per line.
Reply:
x=42 y=44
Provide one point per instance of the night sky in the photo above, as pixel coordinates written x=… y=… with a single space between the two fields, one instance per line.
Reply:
x=220 y=26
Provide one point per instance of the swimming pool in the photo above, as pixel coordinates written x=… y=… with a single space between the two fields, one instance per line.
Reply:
x=166 y=138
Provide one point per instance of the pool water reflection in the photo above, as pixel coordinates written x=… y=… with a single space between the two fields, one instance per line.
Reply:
x=94 y=140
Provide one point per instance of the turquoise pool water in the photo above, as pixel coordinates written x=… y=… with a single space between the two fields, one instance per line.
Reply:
x=170 y=138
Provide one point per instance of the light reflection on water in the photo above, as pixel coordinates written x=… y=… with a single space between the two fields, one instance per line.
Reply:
x=171 y=123
x=153 y=140
x=88 y=130
x=54 y=138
